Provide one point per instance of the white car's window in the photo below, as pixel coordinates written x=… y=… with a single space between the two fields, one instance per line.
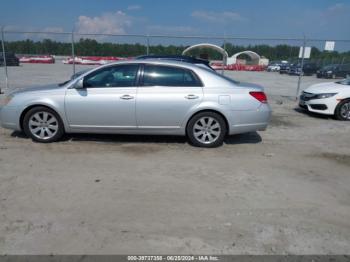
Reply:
x=114 y=76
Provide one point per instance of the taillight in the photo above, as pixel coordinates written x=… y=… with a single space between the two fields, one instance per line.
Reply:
x=259 y=96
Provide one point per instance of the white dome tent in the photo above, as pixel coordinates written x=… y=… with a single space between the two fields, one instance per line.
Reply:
x=253 y=56
x=207 y=45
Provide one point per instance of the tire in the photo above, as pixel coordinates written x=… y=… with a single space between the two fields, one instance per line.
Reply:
x=43 y=125
x=342 y=111
x=206 y=129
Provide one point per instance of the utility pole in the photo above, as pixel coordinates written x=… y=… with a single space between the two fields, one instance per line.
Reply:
x=147 y=50
x=73 y=52
x=4 y=57
x=302 y=65
x=224 y=60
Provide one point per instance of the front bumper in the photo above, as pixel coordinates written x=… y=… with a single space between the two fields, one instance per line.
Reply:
x=321 y=106
x=9 y=118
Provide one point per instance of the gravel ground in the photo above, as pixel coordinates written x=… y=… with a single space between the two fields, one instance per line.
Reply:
x=282 y=191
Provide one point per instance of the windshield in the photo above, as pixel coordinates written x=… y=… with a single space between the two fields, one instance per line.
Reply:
x=76 y=75
x=65 y=82
x=344 y=82
x=329 y=67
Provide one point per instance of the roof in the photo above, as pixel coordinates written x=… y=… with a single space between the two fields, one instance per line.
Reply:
x=189 y=59
x=156 y=62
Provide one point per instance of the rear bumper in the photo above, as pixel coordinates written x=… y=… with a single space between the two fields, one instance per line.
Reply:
x=251 y=121
x=324 y=75
x=293 y=73
x=246 y=128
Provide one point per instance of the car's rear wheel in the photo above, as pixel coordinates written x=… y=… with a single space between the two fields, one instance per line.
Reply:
x=342 y=112
x=207 y=129
x=43 y=125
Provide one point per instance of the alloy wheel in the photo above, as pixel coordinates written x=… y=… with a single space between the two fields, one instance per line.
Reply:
x=206 y=130
x=345 y=110
x=43 y=125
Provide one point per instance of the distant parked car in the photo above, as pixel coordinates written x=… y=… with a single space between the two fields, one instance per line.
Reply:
x=273 y=67
x=308 y=69
x=11 y=59
x=334 y=71
x=181 y=58
x=328 y=99
x=284 y=68
x=140 y=97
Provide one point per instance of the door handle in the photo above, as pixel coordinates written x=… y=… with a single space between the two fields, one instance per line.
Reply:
x=191 y=97
x=126 y=97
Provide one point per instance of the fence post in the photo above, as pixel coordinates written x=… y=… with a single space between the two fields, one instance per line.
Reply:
x=301 y=65
x=342 y=61
x=224 y=59
x=147 y=45
x=73 y=53
x=4 y=57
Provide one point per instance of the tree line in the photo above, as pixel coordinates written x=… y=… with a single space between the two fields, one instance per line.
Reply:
x=91 y=47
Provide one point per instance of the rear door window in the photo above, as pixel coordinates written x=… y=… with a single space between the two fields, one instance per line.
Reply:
x=156 y=75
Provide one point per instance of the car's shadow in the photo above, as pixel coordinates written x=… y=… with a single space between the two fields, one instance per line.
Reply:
x=247 y=138
x=311 y=114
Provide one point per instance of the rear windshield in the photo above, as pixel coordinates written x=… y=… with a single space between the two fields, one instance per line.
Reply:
x=228 y=78
x=221 y=76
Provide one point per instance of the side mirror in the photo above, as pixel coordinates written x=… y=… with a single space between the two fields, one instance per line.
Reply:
x=79 y=84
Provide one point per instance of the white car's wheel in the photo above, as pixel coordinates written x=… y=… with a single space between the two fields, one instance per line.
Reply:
x=342 y=112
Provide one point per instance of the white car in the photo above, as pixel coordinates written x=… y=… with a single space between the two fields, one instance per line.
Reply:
x=328 y=99
x=273 y=68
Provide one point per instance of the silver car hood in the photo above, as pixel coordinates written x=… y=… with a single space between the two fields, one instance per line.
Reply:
x=42 y=88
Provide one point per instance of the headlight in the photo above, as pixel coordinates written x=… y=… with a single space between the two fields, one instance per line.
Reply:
x=325 y=95
x=329 y=72
x=6 y=100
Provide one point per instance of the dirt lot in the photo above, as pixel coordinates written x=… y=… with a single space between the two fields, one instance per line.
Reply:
x=284 y=191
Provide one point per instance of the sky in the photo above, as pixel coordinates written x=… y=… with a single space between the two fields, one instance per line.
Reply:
x=324 y=19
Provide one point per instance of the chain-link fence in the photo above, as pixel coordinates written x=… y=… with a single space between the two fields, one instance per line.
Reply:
x=48 y=57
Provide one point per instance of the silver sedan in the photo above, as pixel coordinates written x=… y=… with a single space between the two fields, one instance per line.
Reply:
x=140 y=97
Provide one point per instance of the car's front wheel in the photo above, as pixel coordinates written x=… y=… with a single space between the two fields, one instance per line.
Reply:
x=342 y=112
x=207 y=129
x=43 y=125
